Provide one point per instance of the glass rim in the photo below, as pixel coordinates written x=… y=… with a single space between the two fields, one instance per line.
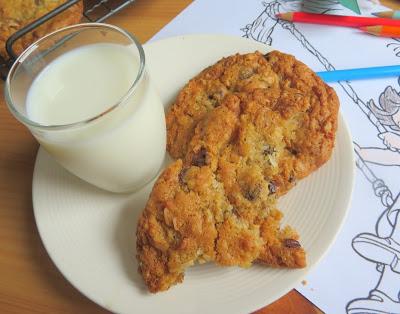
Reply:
x=119 y=103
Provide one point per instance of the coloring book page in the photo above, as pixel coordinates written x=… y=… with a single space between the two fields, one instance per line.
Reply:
x=361 y=272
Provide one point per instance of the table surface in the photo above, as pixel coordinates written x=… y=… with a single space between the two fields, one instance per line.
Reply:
x=30 y=283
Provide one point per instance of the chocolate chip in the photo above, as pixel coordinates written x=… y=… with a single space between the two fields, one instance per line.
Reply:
x=200 y=158
x=252 y=194
x=214 y=101
x=267 y=56
x=291 y=178
x=235 y=212
x=293 y=151
x=268 y=150
x=181 y=176
x=272 y=187
x=291 y=243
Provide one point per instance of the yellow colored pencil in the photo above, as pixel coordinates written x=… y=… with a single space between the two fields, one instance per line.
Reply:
x=382 y=30
x=388 y=14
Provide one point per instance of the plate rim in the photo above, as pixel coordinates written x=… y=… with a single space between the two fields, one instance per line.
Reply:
x=250 y=306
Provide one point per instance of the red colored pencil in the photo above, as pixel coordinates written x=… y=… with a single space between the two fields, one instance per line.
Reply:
x=338 y=20
x=382 y=30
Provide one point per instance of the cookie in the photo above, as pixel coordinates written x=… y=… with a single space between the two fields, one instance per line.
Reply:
x=189 y=219
x=293 y=101
x=215 y=205
x=241 y=141
x=17 y=13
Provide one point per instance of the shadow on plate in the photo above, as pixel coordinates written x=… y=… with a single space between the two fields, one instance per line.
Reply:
x=125 y=240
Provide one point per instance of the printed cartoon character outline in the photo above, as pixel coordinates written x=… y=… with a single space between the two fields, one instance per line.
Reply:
x=383 y=247
x=388 y=114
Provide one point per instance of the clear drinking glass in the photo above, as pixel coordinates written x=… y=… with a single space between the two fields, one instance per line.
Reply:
x=119 y=149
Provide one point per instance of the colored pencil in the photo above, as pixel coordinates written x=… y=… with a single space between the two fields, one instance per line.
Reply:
x=388 y=14
x=361 y=73
x=382 y=30
x=338 y=20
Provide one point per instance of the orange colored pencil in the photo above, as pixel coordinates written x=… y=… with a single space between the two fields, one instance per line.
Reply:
x=382 y=30
x=338 y=20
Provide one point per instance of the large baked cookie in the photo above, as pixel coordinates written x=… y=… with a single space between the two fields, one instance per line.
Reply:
x=189 y=219
x=293 y=102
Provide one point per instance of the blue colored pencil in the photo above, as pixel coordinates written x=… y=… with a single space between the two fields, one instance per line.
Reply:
x=359 y=74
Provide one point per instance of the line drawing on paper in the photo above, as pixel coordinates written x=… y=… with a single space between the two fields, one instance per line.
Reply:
x=395 y=46
x=388 y=114
x=382 y=246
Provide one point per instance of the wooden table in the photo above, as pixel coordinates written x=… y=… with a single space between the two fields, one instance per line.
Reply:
x=29 y=281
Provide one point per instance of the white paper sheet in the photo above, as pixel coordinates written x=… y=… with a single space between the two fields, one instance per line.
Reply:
x=361 y=273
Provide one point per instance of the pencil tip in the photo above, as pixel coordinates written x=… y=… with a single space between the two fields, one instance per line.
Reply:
x=387 y=14
x=288 y=16
x=373 y=30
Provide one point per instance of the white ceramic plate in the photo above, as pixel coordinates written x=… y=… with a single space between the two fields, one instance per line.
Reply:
x=90 y=234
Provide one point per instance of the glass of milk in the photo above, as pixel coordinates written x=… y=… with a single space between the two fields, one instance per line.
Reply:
x=84 y=94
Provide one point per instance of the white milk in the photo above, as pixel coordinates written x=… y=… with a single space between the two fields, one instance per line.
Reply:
x=122 y=150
